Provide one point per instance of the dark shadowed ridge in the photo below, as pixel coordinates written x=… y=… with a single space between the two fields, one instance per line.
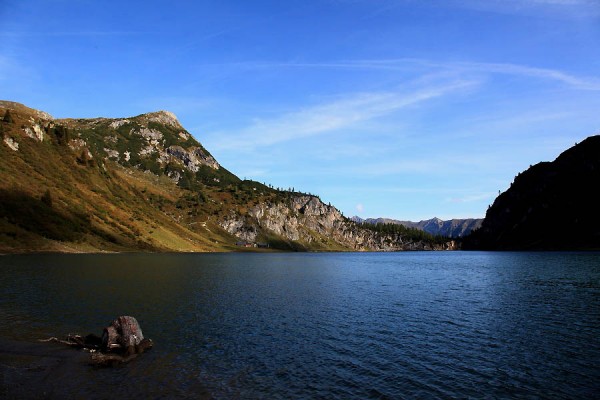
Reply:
x=550 y=206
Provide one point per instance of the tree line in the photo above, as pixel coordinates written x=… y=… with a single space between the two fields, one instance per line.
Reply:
x=406 y=232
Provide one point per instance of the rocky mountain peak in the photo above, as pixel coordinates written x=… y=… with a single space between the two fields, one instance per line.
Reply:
x=163 y=117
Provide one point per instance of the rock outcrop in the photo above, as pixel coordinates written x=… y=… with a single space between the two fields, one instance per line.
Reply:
x=306 y=219
x=192 y=158
x=164 y=118
x=121 y=342
x=143 y=138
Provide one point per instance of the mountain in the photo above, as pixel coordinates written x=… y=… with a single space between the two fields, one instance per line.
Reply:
x=454 y=228
x=144 y=183
x=550 y=206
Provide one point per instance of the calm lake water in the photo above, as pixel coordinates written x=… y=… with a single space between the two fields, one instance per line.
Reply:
x=350 y=325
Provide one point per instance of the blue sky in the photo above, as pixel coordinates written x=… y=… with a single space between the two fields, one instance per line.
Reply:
x=386 y=108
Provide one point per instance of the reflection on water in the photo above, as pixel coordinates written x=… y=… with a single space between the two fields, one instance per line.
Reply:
x=324 y=325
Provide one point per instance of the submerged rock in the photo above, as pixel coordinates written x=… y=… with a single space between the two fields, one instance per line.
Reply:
x=123 y=334
x=121 y=342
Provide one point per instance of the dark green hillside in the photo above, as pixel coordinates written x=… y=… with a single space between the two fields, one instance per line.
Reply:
x=552 y=205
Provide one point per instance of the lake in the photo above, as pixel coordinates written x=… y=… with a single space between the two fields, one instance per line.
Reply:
x=317 y=325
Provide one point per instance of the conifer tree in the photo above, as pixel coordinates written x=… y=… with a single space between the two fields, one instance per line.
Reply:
x=47 y=198
x=7 y=117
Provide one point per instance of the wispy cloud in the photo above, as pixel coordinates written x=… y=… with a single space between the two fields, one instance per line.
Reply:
x=530 y=3
x=17 y=34
x=585 y=83
x=12 y=71
x=196 y=42
x=508 y=121
x=553 y=8
x=334 y=64
x=408 y=165
x=562 y=2
x=550 y=8
x=339 y=114
x=5 y=67
x=434 y=164
x=433 y=66
x=477 y=197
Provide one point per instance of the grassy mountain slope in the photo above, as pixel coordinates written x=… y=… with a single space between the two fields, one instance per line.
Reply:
x=144 y=183
x=57 y=194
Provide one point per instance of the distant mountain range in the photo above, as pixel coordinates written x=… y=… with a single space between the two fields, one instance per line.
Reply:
x=144 y=183
x=550 y=206
x=454 y=228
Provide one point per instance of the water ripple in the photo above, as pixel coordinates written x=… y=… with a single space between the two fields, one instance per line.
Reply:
x=335 y=326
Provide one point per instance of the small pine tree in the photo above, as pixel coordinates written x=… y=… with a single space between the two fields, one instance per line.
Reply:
x=7 y=117
x=184 y=182
x=85 y=159
x=62 y=134
x=47 y=198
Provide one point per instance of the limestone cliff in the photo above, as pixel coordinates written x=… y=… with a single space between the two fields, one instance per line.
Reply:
x=307 y=220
